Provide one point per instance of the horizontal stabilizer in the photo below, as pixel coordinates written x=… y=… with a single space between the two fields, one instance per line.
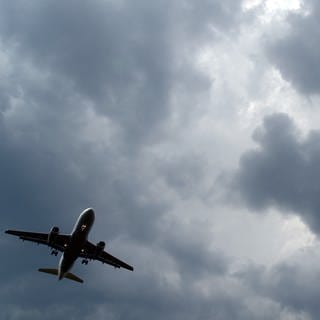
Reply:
x=73 y=277
x=68 y=275
x=50 y=271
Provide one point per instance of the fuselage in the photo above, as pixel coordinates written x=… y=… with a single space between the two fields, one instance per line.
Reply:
x=78 y=238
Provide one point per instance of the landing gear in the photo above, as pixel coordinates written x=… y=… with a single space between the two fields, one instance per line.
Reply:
x=84 y=261
x=54 y=252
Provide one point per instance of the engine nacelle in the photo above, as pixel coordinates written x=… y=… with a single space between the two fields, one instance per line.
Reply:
x=52 y=234
x=100 y=247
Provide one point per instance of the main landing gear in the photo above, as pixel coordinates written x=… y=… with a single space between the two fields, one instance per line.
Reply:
x=84 y=261
x=54 y=252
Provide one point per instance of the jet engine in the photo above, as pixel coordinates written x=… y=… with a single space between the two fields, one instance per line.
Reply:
x=52 y=235
x=99 y=248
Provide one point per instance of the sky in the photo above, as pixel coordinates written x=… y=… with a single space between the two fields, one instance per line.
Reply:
x=192 y=129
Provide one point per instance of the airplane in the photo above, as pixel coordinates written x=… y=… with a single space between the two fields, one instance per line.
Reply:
x=72 y=246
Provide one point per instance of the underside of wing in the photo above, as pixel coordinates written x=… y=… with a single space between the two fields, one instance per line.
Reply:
x=59 y=242
x=106 y=257
x=91 y=251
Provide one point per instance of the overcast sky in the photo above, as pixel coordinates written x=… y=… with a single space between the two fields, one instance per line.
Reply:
x=192 y=129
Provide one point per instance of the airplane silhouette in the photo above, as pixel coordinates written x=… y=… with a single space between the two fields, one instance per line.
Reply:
x=72 y=246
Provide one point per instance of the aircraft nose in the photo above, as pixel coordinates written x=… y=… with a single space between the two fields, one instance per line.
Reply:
x=89 y=212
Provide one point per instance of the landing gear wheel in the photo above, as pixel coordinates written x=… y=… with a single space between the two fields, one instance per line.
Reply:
x=54 y=252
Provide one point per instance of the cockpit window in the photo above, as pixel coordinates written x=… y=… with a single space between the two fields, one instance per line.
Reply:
x=83 y=227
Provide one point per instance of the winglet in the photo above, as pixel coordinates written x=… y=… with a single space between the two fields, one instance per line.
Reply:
x=10 y=232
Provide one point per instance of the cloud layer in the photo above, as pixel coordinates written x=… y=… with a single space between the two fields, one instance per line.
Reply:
x=296 y=52
x=136 y=109
x=283 y=170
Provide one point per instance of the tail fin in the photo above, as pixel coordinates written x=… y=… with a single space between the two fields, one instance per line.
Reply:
x=55 y=272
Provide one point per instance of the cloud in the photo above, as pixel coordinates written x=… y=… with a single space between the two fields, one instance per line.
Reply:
x=291 y=283
x=296 y=53
x=99 y=104
x=87 y=88
x=122 y=57
x=282 y=171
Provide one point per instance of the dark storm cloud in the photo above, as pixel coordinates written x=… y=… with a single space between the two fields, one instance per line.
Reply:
x=283 y=171
x=119 y=60
x=121 y=56
x=297 y=53
x=112 y=55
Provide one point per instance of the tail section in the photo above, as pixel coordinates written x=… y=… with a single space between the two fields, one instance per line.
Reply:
x=67 y=275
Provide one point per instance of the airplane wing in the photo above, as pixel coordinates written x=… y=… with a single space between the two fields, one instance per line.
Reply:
x=59 y=243
x=89 y=252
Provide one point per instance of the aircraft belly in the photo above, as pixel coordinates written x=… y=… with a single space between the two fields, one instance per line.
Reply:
x=72 y=252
